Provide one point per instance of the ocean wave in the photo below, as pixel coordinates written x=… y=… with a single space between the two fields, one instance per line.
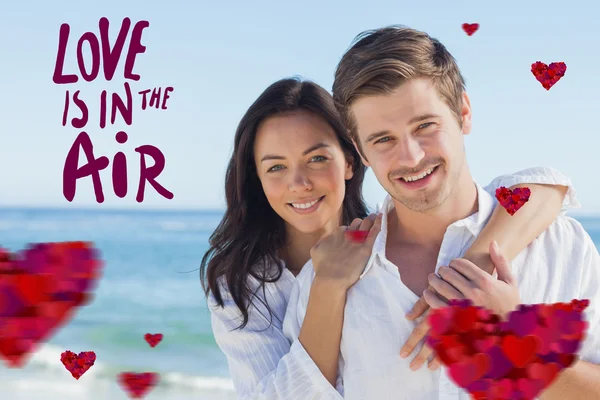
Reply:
x=47 y=359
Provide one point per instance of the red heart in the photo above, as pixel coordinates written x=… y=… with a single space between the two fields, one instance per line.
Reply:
x=138 y=384
x=31 y=288
x=512 y=200
x=40 y=288
x=440 y=322
x=548 y=75
x=547 y=337
x=153 y=339
x=520 y=351
x=544 y=372
x=501 y=389
x=483 y=345
x=465 y=319
x=566 y=360
x=452 y=349
x=530 y=387
x=78 y=364
x=470 y=28
x=357 y=236
x=499 y=363
x=469 y=370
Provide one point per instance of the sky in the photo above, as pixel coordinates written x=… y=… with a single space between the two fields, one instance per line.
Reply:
x=220 y=56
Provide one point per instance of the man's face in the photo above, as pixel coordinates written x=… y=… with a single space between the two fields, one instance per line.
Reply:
x=413 y=142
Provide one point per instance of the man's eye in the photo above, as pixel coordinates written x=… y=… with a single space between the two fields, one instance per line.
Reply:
x=425 y=125
x=382 y=140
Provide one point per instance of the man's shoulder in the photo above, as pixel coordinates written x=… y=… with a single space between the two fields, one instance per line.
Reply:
x=566 y=236
x=568 y=228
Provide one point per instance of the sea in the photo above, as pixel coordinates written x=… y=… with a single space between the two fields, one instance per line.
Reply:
x=150 y=284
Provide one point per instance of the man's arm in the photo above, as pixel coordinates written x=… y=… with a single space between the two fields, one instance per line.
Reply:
x=462 y=279
x=580 y=381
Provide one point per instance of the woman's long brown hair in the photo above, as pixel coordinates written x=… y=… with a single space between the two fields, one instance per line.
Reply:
x=249 y=236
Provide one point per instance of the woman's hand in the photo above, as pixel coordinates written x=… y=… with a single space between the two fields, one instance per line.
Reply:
x=338 y=259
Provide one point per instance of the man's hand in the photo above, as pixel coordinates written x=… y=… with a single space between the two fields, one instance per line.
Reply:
x=464 y=280
x=415 y=337
x=422 y=306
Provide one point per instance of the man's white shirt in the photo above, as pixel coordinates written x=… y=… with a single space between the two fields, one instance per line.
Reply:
x=562 y=264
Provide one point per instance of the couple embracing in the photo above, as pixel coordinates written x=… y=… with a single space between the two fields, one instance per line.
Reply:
x=302 y=311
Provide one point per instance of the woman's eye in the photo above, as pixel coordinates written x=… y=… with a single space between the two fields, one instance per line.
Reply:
x=278 y=167
x=272 y=169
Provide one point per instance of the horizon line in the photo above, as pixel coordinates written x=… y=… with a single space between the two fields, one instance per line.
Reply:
x=578 y=212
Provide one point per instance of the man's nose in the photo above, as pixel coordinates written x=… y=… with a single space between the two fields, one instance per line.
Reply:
x=409 y=152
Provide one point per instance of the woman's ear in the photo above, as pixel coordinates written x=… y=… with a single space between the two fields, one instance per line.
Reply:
x=349 y=173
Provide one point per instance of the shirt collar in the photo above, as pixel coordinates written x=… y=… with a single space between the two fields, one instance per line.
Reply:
x=474 y=223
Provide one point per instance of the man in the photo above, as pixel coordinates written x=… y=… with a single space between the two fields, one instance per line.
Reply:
x=403 y=100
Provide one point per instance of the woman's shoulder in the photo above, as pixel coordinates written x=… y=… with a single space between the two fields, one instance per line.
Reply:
x=276 y=293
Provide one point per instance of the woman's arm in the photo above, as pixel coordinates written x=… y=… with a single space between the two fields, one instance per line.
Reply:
x=321 y=332
x=263 y=364
x=514 y=233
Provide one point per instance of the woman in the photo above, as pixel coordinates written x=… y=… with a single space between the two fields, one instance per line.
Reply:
x=294 y=177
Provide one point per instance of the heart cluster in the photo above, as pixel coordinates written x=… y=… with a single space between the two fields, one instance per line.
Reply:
x=78 y=364
x=512 y=359
x=139 y=384
x=548 y=75
x=40 y=288
x=512 y=200
x=153 y=339
x=470 y=28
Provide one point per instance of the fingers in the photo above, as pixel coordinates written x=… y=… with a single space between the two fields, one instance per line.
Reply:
x=375 y=229
x=433 y=299
x=435 y=363
x=444 y=288
x=502 y=265
x=421 y=358
x=355 y=224
x=368 y=222
x=469 y=270
x=415 y=337
x=418 y=309
x=455 y=278
x=426 y=352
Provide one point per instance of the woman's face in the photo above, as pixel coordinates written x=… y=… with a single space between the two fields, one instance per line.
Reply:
x=302 y=169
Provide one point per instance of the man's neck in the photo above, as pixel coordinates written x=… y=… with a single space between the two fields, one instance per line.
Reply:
x=427 y=229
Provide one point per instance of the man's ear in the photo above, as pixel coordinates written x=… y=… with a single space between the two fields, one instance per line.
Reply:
x=465 y=114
